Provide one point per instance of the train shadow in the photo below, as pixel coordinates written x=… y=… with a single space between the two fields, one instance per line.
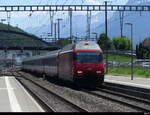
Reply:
x=62 y=83
x=69 y=84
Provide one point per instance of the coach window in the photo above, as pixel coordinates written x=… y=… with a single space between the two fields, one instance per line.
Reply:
x=44 y=61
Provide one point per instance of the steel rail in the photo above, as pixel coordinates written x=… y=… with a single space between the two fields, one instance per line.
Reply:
x=43 y=104
x=124 y=95
x=128 y=97
x=56 y=95
x=117 y=100
x=130 y=90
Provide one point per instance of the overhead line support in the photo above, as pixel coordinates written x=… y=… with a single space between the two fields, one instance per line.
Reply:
x=75 y=8
x=106 y=32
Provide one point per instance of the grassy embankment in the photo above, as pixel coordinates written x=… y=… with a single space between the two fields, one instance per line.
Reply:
x=16 y=39
x=138 y=71
x=19 y=40
x=113 y=57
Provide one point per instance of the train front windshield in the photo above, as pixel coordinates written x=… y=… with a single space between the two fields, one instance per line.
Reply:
x=88 y=56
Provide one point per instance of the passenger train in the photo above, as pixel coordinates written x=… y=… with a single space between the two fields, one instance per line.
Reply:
x=81 y=63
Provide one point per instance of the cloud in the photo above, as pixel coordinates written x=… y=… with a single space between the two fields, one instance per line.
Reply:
x=93 y=2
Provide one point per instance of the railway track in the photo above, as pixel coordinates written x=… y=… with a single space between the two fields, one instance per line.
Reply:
x=118 y=94
x=130 y=90
x=71 y=107
x=44 y=105
x=113 y=93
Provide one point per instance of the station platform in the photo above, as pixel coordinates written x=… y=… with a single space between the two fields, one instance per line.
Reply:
x=126 y=80
x=14 y=98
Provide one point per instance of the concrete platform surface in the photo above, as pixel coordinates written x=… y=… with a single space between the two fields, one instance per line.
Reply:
x=14 y=98
x=126 y=80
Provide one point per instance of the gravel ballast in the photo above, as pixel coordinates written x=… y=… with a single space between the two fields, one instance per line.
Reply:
x=82 y=99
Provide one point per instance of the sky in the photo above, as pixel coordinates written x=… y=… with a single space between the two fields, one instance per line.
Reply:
x=34 y=19
x=54 y=2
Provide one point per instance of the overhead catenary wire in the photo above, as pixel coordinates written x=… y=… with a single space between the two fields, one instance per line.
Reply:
x=116 y=19
x=121 y=14
x=51 y=18
x=55 y=12
x=44 y=20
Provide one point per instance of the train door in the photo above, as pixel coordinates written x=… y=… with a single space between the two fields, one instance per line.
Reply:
x=57 y=61
x=42 y=65
x=65 y=62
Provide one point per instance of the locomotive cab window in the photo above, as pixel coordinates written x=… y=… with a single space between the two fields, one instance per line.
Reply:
x=88 y=56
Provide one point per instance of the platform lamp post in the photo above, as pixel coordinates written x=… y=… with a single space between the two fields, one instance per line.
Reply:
x=131 y=25
x=96 y=35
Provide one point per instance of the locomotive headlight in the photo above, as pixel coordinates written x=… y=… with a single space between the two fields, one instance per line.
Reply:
x=98 y=72
x=79 y=72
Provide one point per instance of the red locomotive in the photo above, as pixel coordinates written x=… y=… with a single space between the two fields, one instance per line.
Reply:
x=81 y=63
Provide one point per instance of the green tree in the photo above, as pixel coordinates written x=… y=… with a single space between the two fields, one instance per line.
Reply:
x=121 y=43
x=142 y=52
x=137 y=51
x=104 y=42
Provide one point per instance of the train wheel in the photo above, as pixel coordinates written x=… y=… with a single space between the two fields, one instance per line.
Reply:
x=44 y=76
x=57 y=79
x=76 y=85
x=100 y=81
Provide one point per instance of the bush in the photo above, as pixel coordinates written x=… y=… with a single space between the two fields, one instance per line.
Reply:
x=104 y=42
x=121 y=43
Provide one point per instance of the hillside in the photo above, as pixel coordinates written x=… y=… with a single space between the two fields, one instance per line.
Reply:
x=13 y=37
x=140 y=22
x=5 y=27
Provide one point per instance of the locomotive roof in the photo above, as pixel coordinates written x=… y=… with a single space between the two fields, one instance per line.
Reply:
x=82 y=45
x=79 y=45
x=87 y=45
